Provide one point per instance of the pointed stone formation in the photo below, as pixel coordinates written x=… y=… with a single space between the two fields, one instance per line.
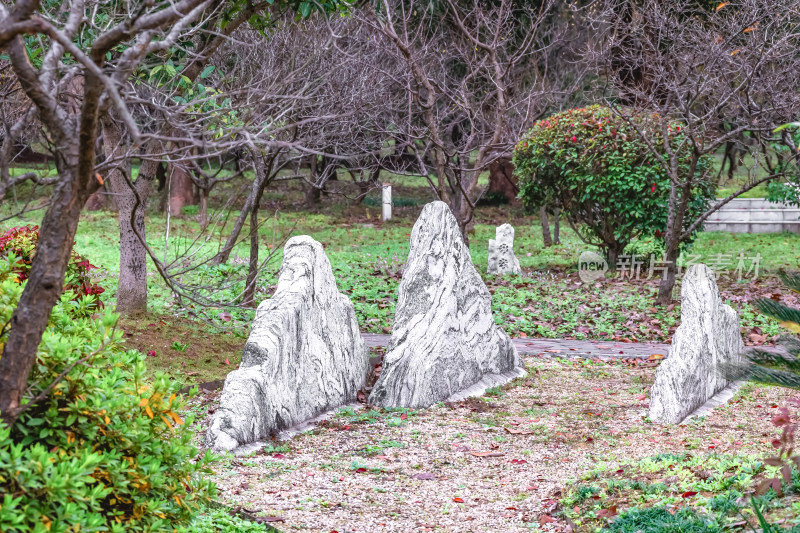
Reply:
x=501 y=252
x=707 y=340
x=444 y=339
x=304 y=356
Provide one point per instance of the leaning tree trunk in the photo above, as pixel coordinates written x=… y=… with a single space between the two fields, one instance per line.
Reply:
x=262 y=178
x=44 y=285
x=223 y=255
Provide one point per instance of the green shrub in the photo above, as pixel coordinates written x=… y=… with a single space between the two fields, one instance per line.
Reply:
x=21 y=242
x=596 y=166
x=104 y=450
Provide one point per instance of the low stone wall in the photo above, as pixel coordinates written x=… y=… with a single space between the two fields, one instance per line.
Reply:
x=754 y=215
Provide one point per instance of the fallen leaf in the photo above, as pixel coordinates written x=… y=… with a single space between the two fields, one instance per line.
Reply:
x=607 y=513
x=226 y=361
x=518 y=461
x=225 y=316
x=487 y=454
x=360 y=470
x=424 y=475
x=688 y=494
x=458 y=500
x=546 y=519
x=723 y=4
x=656 y=357
x=518 y=431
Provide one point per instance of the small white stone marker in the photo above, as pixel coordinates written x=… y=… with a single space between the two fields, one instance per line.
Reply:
x=501 y=252
x=386 y=201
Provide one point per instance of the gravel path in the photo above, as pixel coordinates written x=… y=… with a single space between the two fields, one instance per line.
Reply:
x=497 y=463
x=566 y=348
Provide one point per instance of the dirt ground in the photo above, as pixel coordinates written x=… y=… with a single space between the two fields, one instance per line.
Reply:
x=497 y=463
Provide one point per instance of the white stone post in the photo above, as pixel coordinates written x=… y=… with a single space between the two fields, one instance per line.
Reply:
x=387 y=202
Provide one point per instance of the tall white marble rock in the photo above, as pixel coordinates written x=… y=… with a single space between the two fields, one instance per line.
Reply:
x=305 y=354
x=707 y=341
x=444 y=339
x=501 y=252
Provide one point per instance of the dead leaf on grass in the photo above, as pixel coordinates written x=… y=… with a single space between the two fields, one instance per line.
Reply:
x=546 y=519
x=487 y=454
x=607 y=513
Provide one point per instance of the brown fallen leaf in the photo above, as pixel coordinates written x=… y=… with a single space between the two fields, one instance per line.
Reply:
x=656 y=357
x=487 y=454
x=546 y=519
x=515 y=431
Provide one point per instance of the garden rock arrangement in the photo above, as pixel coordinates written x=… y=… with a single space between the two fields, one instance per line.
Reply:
x=501 y=252
x=707 y=341
x=304 y=356
x=444 y=339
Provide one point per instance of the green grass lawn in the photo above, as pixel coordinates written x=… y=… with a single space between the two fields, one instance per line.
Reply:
x=367 y=257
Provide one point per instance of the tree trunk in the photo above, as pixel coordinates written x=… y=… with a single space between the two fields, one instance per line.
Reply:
x=223 y=255
x=502 y=180
x=678 y=205
x=548 y=241
x=44 y=286
x=667 y=284
x=97 y=201
x=204 y=208
x=612 y=255
x=181 y=189
x=132 y=291
x=312 y=193
x=556 y=226
x=313 y=196
x=248 y=298
x=262 y=178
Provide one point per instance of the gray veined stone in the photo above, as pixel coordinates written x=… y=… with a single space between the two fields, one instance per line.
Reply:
x=305 y=354
x=707 y=341
x=444 y=339
x=501 y=252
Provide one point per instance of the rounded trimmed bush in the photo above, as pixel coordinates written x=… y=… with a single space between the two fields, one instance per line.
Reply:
x=598 y=167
